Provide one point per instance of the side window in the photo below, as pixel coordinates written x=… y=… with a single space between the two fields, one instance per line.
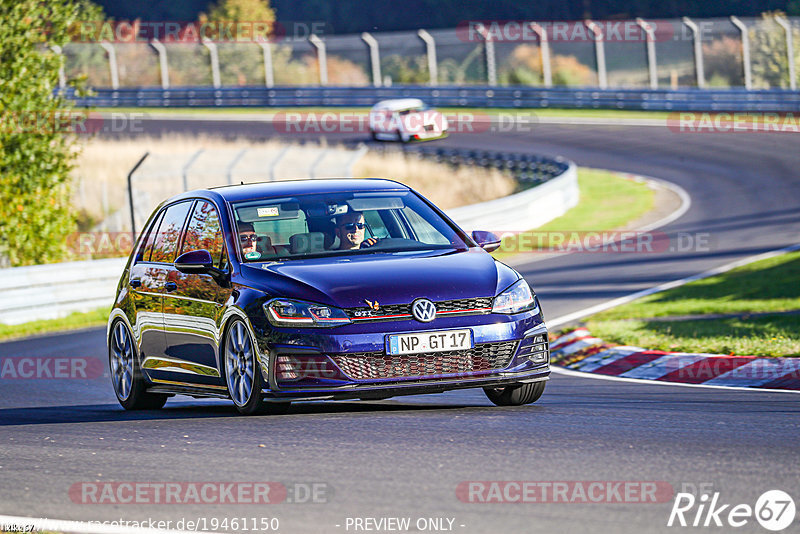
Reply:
x=376 y=225
x=425 y=232
x=147 y=245
x=166 y=241
x=204 y=231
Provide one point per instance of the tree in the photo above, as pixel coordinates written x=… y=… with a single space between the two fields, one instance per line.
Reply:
x=37 y=146
x=770 y=63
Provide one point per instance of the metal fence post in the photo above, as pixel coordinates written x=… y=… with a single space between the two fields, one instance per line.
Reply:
x=62 y=77
x=357 y=155
x=650 y=40
x=374 y=57
x=112 y=63
x=162 y=62
x=787 y=28
x=544 y=46
x=185 y=170
x=130 y=193
x=491 y=71
x=236 y=159
x=430 y=49
x=322 y=58
x=312 y=169
x=698 y=51
x=277 y=160
x=269 y=74
x=599 y=52
x=745 y=51
x=212 y=49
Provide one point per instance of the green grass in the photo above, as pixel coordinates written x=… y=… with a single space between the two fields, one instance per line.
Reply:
x=771 y=285
x=74 y=321
x=548 y=112
x=766 y=286
x=607 y=202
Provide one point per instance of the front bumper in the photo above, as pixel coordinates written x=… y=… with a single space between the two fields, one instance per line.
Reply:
x=522 y=330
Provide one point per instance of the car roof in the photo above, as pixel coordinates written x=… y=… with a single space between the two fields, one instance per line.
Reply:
x=236 y=193
x=398 y=104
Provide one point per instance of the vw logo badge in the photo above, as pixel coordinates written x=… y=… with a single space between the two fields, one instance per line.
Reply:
x=423 y=310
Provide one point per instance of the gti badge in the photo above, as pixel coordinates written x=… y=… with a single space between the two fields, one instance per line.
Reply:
x=373 y=305
x=423 y=310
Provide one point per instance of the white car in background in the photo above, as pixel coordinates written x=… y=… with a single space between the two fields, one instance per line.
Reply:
x=406 y=119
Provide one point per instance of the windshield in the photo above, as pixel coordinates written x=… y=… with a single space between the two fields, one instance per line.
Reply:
x=277 y=229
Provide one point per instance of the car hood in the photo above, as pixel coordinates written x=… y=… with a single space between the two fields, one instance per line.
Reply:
x=389 y=278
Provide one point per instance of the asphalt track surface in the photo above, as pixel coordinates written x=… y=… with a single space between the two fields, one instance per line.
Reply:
x=404 y=457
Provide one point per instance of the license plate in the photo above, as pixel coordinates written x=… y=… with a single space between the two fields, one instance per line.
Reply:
x=429 y=342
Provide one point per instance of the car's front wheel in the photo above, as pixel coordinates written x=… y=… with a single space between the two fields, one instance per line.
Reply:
x=126 y=375
x=515 y=395
x=243 y=373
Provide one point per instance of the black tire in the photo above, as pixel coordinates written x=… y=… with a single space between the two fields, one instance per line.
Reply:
x=237 y=340
x=516 y=395
x=135 y=395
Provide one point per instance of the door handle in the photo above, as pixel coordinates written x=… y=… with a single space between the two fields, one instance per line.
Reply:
x=171 y=286
x=136 y=282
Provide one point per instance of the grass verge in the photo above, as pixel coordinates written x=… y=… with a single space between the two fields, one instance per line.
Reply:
x=674 y=320
x=74 y=321
x=607 y=202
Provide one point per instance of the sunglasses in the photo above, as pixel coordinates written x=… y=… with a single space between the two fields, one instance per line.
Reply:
x=351 y=227
x=249 y=238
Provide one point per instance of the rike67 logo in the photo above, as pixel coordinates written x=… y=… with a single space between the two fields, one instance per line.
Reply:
x=774 y=510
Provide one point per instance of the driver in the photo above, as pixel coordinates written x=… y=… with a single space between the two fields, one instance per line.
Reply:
x=350 y=228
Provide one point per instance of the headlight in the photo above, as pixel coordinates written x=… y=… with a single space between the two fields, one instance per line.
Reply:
x=515 y=299
x=285 y=312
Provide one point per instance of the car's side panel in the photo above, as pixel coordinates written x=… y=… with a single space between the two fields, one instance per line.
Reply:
x=146 y=283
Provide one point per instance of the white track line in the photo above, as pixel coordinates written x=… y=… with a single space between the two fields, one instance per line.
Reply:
x=568 y=318
x=663 y=287
x=520 y=261
x=83 y=527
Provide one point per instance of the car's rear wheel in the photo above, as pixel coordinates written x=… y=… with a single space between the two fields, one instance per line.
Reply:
x=126 y=375
x=243 y=373
x=515 y=395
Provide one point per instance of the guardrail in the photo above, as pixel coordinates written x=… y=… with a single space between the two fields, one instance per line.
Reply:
x=55 y=290
x=768 y=100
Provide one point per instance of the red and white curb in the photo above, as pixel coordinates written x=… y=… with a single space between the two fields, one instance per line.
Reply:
x=578 y=350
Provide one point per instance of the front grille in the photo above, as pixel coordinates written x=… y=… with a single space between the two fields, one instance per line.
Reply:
x=377 y=365
x=403 y=311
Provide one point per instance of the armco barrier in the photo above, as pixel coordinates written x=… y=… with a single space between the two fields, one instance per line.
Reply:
x=56 y=290
x=51 y=291
x=522 y=211
x=771 y=100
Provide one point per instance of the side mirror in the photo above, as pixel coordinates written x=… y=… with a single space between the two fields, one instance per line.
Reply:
x=195 y=261
x=486 y=240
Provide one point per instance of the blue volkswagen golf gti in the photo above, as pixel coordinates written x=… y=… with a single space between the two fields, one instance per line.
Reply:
x=303 y=290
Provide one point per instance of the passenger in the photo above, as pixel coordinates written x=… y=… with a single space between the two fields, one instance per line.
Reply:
x=350 y=231
x=248 y=240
